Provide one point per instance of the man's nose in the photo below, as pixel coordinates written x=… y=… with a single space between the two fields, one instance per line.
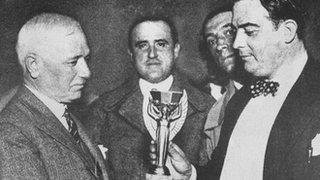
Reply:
x=221 y=44
x=239 y=41
x=152 y=52
x=83 y=69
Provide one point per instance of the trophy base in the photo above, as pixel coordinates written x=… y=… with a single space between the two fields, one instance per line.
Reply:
x=157 y=170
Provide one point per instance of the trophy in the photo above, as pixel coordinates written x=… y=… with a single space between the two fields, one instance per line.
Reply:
x=164 y=108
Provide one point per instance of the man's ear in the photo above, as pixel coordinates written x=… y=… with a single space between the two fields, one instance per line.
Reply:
x=289 y=28
x=176 y=50
x=32 y=65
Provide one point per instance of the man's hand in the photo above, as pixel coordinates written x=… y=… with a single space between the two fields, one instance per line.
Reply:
x=180 y=163
x=177 y=162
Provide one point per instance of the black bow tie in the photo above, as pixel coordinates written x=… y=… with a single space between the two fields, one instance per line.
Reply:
x=264 y=87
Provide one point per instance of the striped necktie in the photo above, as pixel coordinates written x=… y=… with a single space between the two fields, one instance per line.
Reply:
x=73 y=129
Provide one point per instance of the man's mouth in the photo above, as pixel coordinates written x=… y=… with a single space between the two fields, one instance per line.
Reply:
x=79 y=85
x=245 y=56
x=153 y=62
x=229 y=56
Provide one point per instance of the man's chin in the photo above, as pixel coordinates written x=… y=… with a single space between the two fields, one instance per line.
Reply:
x=228 y=68
x=154 y=77
x=72 y=97
x=154 y=80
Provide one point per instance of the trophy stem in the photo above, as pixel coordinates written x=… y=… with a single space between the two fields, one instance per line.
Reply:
x=162 y=141
x=162 y=146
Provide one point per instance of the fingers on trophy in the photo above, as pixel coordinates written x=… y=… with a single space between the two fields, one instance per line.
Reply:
x=164 y=107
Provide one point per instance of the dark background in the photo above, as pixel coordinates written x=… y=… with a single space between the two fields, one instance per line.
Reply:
x=106 y=23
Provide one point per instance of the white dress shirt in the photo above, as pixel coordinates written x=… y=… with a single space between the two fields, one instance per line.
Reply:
x=248 y=142
x=55 y=107
x=215 y=90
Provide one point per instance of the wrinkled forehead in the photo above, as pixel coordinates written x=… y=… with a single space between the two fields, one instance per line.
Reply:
x=151 y=30
x=248 y=11
x=218 y=22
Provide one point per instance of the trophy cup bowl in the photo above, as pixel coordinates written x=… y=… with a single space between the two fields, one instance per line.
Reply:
x=164 y=108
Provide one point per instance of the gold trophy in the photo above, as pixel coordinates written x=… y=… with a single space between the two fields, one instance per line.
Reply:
x=164 y=108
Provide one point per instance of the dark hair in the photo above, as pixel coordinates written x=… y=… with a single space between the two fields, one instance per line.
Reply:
x=154 y=18
x=221 y=9
x=287 y=9
x=205 y=53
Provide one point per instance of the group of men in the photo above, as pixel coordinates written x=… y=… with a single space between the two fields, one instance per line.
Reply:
x=265 y=128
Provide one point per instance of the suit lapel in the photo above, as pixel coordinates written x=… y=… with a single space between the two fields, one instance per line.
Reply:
x=95 y=152
x=293 y=118
x=232 y=113
x=216 y=113
x=196 y=101
x=131 y=109
x=231 y=89
x=46 y=122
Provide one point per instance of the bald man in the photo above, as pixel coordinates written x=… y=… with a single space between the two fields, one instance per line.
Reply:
x=39 y=137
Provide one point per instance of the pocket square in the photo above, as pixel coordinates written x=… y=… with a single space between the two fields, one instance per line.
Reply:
x=103 y=151
x=315 y=144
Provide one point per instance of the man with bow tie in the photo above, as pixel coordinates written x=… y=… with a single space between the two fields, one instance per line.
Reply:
x=39 y=137
x=271 y=127
x=119 y=118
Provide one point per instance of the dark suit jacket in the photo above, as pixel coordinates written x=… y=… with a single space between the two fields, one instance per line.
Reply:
x=7 y=96
x=296 y=124
x=117 y=122
x=35 y=145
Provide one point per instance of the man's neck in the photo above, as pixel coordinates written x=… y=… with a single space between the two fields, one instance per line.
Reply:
x=33 y=86
x=161 y=86
x=296 y=52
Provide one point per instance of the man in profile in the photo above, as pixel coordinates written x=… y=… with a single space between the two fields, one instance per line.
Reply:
x=39 y=137
x=271 y=127
x=119 y=118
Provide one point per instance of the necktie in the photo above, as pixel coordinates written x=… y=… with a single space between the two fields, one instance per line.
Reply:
x=264 y=87
x=73 y=129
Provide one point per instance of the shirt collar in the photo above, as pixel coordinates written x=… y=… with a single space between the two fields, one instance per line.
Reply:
x=237 y=85
x=146 y=86
x=55 y=107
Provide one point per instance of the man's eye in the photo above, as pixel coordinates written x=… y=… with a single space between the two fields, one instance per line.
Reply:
x=251 y=32
x=230 y=32
x=142 y=46
x=162 y=44
x=212 y=42
x=73 y=63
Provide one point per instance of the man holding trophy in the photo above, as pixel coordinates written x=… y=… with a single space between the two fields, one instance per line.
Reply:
x=160 y=106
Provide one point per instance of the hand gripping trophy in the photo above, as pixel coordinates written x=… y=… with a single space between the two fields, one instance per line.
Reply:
x=164 y=107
